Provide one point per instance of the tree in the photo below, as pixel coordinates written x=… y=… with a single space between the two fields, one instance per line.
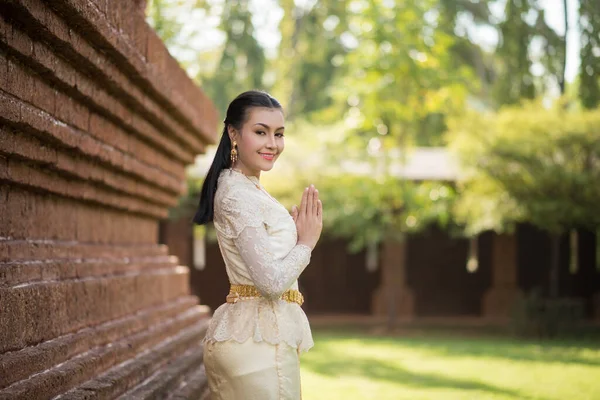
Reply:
x=400 y=74
x=242 y=64
x=524 y=21
x=307 y=61
x=236 y=65
x=589 y=74
x=530 y=164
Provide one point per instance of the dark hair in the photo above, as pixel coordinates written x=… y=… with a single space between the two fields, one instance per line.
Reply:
x=237 y=115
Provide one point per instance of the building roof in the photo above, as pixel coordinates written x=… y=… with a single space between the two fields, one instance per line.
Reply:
x=423 y=163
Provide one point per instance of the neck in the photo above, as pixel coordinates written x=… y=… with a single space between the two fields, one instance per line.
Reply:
x=246 y=171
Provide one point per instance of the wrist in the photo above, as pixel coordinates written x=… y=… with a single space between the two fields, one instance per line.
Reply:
x=305 y=244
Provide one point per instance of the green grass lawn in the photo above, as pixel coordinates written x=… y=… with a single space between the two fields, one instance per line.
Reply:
x=353 y=364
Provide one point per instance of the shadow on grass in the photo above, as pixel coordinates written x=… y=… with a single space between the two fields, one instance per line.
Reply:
x=332 y=363
x=565 y=351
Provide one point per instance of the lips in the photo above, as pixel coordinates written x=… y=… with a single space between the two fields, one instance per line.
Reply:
x=267 y=156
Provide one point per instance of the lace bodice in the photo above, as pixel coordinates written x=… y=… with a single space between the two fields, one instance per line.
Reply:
x=257 y=238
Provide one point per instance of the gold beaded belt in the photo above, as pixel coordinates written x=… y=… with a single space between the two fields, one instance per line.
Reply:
x=237 y=292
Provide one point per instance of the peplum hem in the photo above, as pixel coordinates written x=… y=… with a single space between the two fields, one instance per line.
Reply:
x=271 y=321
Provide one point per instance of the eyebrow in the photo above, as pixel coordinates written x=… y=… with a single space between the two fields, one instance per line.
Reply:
x=267 y=126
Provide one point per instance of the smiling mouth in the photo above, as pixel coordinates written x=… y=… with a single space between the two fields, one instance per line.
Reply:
x=267 y=156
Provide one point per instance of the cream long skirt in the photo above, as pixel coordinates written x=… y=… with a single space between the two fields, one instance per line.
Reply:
x=252 y=371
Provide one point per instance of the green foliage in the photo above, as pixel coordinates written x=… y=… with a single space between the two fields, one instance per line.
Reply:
x=361 y=200
x=310 y=47
x=377 y=74
x=529 y=163
x=589 y=74
x=516 y=80
x=166 y=25
x=367 y=210
x=234 y=65
x=171 y=21
x=396 y=87
x=242 y=64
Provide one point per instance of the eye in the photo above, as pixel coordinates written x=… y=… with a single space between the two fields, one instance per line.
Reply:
x=279 y=134
x=260 y=132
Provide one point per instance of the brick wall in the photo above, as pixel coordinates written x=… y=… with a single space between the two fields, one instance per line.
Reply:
x=97 y=123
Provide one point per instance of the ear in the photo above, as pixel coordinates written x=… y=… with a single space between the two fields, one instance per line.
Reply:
x=232 y=132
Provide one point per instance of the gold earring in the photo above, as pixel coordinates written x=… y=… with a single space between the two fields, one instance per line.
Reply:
x=234 y=153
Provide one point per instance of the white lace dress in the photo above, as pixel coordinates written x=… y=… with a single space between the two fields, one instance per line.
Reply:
x=257 y=238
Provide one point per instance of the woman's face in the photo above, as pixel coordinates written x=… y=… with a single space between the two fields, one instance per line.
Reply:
x=260 y=141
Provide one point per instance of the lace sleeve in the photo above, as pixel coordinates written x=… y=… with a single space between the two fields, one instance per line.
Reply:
x=272 y=276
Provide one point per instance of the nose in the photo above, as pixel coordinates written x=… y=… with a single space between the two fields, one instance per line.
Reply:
x=271 y=142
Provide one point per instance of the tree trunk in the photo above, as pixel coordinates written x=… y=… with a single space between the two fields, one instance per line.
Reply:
x=563 y=78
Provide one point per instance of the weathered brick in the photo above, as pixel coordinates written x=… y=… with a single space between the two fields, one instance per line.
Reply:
x=58 y=27
x=65 y=209
x=121 y=111
x=3 y=71
x=5 y=216
x=58 y=129
x=35 y=119
x=64 y=72
x=3 y=172
x=126 y=25
x=141 y=36
x=44 y=56
x=155 y=51
x=66 y=162
x=18 y=222
x=37 y=9
x=80 y=370
x=101 y=5
x=21 y=42
x=89 y=145
x=100 y=128
x=20 y=365
x=86 y=87
x=83 y=47
x=21 y=146
x=7 y=143
x=113 y=14
x=19 y=172
x=62 y=109
x=73 y=191
x=80 y=115
x=43 y=95
x=20 y=83
x=44 y=180
x=101 y=299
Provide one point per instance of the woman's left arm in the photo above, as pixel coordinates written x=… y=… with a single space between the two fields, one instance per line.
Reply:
x=272 y=276
x=244 y=224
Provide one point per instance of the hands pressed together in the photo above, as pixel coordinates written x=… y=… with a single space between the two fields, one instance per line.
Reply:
x=309 y=217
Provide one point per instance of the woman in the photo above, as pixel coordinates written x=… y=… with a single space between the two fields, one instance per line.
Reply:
x=253 y=342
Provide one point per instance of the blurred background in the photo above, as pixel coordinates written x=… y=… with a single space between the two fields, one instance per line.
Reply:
x=456 y=148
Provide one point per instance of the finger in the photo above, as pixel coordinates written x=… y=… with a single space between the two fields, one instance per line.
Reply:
x=294 y=212
x=315 y=204
x=304 y=201
x=311 y=200
x=320 y=209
